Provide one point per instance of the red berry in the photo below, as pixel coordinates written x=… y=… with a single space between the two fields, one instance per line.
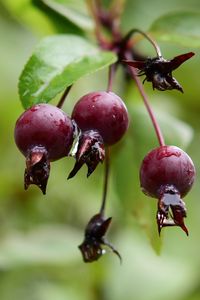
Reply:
x=168 y=173
x=47 y=126
x=166 y=165
x=43 y=133
x=104 y=112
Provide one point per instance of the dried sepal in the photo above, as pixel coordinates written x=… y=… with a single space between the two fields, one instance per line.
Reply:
x=90 y=151
x=159 y=71
x=94 y=239
x=37 y=168
x=171 y=210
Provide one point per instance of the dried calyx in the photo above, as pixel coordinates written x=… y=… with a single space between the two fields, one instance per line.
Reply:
x=90 y=151
x=171 y=205
x=37 y=168
x=159 y=71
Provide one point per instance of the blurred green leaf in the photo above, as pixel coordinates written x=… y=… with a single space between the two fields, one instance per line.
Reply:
x=155 y=278
x=57 y=62
x=50 y=245
x=25 y=12
x=178 y=27
x=75 y=11
x=39 y=17
x=175 y=131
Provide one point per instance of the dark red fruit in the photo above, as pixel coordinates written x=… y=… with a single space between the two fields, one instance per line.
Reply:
x=103 y=119
x=104 y=112
x=47 y=126
x=43 y=133
x=168 y=173
x=166 y=165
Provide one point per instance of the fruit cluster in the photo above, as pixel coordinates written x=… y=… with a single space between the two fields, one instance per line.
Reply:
x=44 y=133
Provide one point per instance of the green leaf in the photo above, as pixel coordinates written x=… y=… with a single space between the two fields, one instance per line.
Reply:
x=178 y=27
x=57 y=62
x=75 y=11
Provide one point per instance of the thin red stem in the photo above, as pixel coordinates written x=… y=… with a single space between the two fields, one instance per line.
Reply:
x=138 y=83
x=147 y=105
x=106 y=178
x=111 y=74
x=94 y=6
x=64 y=95
x=147 y=36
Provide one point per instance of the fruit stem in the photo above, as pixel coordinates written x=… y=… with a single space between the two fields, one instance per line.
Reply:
x=106 y=177
x=63 y=97
x=112 y=69
x=111 y=73
x=147 y=105
x=93 y=7
x=147 y=36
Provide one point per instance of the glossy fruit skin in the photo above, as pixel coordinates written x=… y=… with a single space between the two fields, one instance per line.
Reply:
x=166 y=165
x=47 y=126
x=104 y=112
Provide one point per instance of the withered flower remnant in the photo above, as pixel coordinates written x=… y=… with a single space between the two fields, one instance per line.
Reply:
x=91 y=247
x=159 y=71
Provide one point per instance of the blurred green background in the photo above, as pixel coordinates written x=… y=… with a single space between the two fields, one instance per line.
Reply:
x=39 y=235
